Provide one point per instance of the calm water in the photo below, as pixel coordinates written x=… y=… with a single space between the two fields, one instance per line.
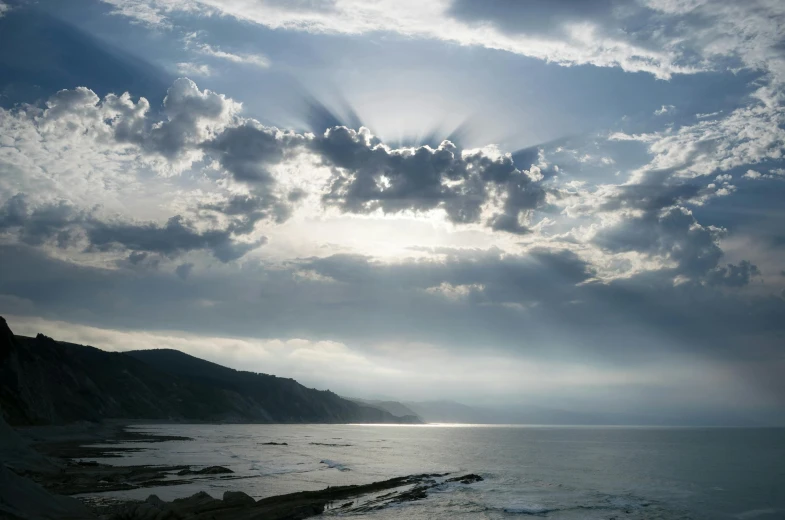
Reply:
x=551 y=472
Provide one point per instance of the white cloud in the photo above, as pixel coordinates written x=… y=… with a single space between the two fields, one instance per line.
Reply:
x=708 y=115
x=4 y=8
x=193 y=69
x=664 y=109
x=683 y=37
x=748 y=135
x=777 y=173
x=256 y=60
x=621 y=136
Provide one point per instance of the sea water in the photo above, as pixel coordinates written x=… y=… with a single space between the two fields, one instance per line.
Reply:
x=529 y=471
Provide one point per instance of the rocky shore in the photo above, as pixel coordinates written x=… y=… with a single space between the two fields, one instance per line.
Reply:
x=41 y=468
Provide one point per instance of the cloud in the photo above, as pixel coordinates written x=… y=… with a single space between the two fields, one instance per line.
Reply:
x=184 y=270
x=193 y=69
x=672 y=235
x=256 y=60
x=368 y=175
x=196 y=125
x=65 y=225
x=37 y=225
x=656 y=36
x=774 y=173
x=176 y=237
x=535 y=17
x=193 y=117
x=664 y=109
x=734 y=275
x=748 y=135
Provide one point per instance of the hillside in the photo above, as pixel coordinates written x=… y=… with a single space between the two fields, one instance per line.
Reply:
x=285 y=400
x=43 y=381
x=394 y=407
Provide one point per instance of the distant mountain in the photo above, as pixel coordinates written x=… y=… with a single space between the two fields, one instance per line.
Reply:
x=394 y=407
x=452 y=412
x=44 y=381
x=448 y=412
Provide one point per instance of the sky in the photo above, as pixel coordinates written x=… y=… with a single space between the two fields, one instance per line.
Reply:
x=559 y=203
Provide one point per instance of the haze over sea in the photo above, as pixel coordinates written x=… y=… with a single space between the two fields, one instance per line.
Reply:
x=564 y=472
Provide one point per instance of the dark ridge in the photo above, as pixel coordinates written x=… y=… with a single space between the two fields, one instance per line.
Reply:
x=43 y=381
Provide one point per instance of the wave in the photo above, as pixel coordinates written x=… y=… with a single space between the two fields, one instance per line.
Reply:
x=768 y=512
x=335 y=465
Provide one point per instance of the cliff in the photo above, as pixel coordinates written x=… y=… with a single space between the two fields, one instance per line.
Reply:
x=43 y=381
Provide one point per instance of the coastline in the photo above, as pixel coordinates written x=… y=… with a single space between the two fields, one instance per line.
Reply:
x=64 y=445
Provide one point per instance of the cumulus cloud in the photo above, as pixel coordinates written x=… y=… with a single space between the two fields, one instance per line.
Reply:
x=367 y=174
x=370 y=175
x=672 y=234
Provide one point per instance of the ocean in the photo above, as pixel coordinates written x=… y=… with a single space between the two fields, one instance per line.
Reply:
x=529 y=471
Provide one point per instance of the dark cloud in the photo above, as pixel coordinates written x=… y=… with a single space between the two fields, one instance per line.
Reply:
x=37 y=225
x=367 y=174
x=370 y=176
x=649 y=197
x=184 y=270
x=176 y=237
x=733 y=275
x=535 y=17
x=137 y=257
x=673 y=234
x=248 y=150
x=246 y=210
x=64 y=225
x=544 y=303
x=522 y=196
x=489 y=276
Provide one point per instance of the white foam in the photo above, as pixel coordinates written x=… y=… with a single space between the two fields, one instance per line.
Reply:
x=335 y=465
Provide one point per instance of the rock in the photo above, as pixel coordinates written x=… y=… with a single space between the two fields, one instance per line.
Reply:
x=466 y=479
x=155 y=501
x=238 y=499
x=142 y=511
x=23 y=498
x=17 y=454
x=210 y=470
x=196 y=500
x=274 y=444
